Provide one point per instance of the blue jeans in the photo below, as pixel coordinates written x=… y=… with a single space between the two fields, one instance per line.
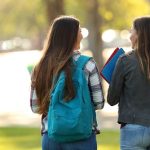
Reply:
x=135 y=137
x=88 y=144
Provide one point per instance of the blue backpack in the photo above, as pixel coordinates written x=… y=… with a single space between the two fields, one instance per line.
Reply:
x=73 y=120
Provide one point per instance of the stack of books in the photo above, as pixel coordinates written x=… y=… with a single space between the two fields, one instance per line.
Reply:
x=109 y=66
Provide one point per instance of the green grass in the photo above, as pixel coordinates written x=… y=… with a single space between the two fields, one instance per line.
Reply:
x=20 y=138
x=24 y=138
x=108 y=140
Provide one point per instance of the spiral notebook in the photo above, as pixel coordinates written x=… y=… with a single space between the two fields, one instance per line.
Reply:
x=109 y=66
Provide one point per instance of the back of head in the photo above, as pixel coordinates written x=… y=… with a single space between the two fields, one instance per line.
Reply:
x=58 y=51
x=142 y=27
x=62 y=36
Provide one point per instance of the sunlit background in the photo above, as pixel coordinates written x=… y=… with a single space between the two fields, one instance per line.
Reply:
x=23 y=28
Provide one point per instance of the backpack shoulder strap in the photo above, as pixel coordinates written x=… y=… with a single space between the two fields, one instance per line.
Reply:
x=82 y=60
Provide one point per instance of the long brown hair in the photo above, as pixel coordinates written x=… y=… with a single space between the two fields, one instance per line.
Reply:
x=142 y=27
x=57 y=56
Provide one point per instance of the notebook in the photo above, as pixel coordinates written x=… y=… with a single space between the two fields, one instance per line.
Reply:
x=109 y=66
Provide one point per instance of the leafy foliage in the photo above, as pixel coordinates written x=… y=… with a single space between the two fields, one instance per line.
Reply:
x=27 y=19
x=21 y=18
x=120 y=14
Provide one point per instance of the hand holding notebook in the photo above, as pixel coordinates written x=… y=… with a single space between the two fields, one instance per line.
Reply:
x=109 y=66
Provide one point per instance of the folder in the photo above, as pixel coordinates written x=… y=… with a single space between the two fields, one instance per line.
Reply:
x=109 y=66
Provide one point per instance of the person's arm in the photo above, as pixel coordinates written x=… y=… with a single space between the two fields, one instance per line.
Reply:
x=33 y=98
x=96 y=87
x=115 y=87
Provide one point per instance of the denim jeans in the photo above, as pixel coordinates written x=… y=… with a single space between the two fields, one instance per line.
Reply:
x=88 y=144
x=135 y=137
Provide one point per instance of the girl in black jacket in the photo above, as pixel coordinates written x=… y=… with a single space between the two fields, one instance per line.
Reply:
x=130 y=88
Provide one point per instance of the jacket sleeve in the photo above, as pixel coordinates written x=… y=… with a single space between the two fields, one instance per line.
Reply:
x=116 y=84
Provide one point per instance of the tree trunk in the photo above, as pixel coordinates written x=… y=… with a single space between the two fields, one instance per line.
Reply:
x=93 y=24
x=54 y=8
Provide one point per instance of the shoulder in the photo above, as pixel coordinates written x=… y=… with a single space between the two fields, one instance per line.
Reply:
x=128 y=61
x=90 y=65
x=128 y=56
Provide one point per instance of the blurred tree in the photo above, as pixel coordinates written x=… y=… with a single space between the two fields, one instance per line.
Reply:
x=87 y=12
x=99 y=15
x=28 y=19
x=90 y=18
x=93 y=23
x=20 y=18
x=23 y=19
x=76 y=8
x=53 y=8
x=119 y=15
x=31 y=19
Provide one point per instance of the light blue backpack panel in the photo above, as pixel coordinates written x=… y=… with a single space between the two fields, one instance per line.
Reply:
x=73 y=120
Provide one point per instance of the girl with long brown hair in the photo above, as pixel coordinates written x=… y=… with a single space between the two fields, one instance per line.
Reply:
x=61 y=48
x=130 y=87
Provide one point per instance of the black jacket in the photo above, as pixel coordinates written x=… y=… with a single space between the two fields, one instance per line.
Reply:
x=131 y=90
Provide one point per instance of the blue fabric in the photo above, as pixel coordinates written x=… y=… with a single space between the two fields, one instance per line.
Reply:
x=88 y=144
x=135 y=137
x=73 y=120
